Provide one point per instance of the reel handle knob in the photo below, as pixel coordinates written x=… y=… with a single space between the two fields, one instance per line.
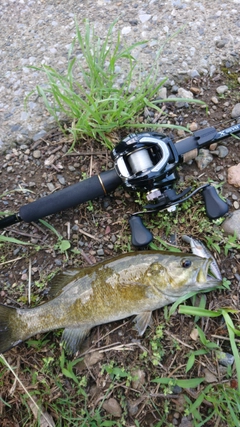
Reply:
x=215 y=206
x=141 y=236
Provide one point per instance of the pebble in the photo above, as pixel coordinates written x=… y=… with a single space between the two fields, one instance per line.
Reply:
x=112 y=407
x=214 y=100
x=234 y=175
x=225 y=359
x=36 y=154
x=203 y=159
x=61 y=179
x=231 y=225
x=183 y=93
x=193 y=126
x=222 y=89
x=236 y=111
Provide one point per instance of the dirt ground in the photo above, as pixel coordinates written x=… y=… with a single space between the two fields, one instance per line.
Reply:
x=98 y=230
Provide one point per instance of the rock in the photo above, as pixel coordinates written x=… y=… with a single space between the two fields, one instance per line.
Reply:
x=209 y=376
x=231 y=225
x=221 y=43
x=193 y=74
x=221 y=151
x=162 y=93
x=39 y=135
x=144 y=17
x=214 y=100
x=37 y=154
x=234 y=175
x=203 y=159
x=225 y=359
x=195 y=90
x=112 y=407
x=236 y=205
x=221 y=89
x=235 y=111
x=61 y=179
x=193 y=126
x=139 y=379
x=183 y=93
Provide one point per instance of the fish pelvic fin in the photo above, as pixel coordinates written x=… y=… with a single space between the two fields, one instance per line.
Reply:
x=143 y=320
x=72 y=338
x=8 y=338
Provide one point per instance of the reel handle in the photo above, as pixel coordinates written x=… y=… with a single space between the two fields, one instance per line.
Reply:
x=215 y=206
x=141 y=236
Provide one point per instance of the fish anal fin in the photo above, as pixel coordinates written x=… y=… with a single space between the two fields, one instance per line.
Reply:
x=72 y=338
x=143 y=320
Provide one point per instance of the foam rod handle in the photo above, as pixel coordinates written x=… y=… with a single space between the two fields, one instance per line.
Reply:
x=88 y=189
x=215 y=206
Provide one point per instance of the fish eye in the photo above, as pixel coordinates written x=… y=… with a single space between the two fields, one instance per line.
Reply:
x=186 y=263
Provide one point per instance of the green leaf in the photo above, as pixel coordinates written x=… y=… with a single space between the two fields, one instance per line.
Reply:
x=190 y=362
x=64 y=245
x=13 y=240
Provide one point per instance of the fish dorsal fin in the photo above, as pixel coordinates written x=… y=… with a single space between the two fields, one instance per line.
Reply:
x=59 y=281
x=72 y=338
x=143 y=320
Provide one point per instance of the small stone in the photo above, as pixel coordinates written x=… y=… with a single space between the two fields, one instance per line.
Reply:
x=235 y=111
x=234 y=175
x=100 y=252
x=231 y=225
x=222 y=89
x=144 y=17
x=139 y=378
x=195 y=90
x=37 y=154
x=50 y=187
x=193 y=126
x=222 y=151
x=183 y=93
x=221 y=43
x=162 y=93
x=39 y=135
x=126 y=30
x=225 y=359
x=61 y=179
x=112 y=407
x=193 y=74
x=203 y=159
x=214 y=100
x=236 y=205
x=209 y=376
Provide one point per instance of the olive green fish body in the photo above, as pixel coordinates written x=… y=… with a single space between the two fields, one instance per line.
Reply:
x=130 y=284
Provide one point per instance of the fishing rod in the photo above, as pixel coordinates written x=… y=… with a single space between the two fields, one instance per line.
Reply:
x=144 y=162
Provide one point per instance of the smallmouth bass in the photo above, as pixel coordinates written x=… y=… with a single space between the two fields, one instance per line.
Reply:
x=135 y=283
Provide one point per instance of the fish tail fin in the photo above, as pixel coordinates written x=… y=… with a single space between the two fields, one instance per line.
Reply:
x=8 y=338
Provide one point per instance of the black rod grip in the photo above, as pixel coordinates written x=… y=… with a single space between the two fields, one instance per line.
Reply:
x=71 y=196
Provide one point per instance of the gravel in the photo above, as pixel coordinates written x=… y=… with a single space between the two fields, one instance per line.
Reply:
x=38 y=32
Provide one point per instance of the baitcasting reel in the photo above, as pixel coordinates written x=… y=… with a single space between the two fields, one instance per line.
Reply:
x=147 y=162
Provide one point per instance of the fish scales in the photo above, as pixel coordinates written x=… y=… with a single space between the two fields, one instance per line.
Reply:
x=130 y=284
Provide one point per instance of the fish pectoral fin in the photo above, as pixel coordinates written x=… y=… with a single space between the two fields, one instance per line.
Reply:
x=72 y=338
x=143 y=320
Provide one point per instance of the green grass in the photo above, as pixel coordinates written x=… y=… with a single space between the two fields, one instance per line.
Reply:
x=89 y=95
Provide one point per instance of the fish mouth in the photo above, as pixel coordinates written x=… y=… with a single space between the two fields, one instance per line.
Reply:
x=205 y=273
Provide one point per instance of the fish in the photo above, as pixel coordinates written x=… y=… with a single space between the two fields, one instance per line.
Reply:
x=131 y=284
x=199 y=249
